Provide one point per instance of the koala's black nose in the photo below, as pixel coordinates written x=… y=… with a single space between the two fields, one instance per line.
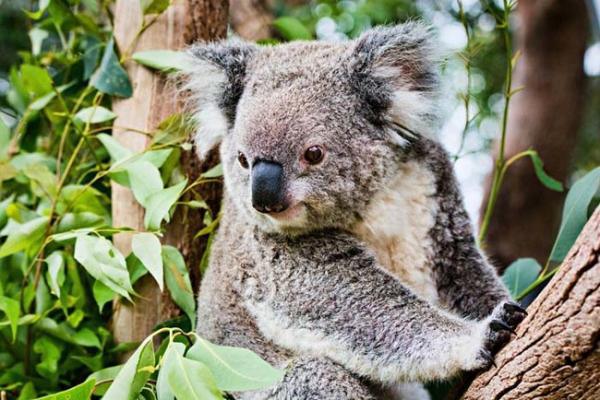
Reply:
x=268 y=187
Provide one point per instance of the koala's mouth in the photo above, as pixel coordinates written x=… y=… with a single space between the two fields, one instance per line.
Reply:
x=289 y=215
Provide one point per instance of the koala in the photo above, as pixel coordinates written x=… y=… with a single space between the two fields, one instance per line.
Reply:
x=344 y=253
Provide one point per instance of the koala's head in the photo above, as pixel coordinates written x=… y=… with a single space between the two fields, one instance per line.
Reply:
x=309 y=131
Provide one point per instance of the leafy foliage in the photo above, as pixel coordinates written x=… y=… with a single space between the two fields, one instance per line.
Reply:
x=59 y=270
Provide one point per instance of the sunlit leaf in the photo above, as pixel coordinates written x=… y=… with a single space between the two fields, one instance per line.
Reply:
x=56 y=273
x=214 y=172
x=575 y=213
x=104 y=262
x=37 y=36
x=158 y=205
x=144 y=180
x=116 y=150
x=235 y=369
x=164 y=60
x=188 y=379
x=103 y=378
x=110 y=77
x=24 y=236
x=178 y=281
x=520 y=274
x=133 y=376
x=49 y=353
x=147 y=248
x=163 y=389
x=95 y=115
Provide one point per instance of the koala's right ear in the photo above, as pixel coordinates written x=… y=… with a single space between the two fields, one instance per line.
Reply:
x=215 y=76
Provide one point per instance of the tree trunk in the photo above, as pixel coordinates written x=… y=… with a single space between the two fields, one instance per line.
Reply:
x=251 y=19
x=545 y=116
x=154 y=99
x=555 y=354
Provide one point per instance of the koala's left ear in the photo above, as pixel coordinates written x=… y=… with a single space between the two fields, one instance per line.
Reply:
x=394 y=69
x=215 y=77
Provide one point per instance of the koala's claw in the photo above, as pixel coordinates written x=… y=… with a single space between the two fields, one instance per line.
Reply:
x=498 y=325
x=488 y=357
x=512 y=307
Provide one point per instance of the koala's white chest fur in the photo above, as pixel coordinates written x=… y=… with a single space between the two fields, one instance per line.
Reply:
x=396 y=227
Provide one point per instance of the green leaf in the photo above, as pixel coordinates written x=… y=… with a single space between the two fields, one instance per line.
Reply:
x=95 y=115
x=520 y=275
x=80 y=198
x=44 y=179
x=49 y=355
x=158 y=205
x=85 y=337
x=154 y=6
x=82 y=391
x=103 y=378
x=575 y=213
x=12 y=310
x=163 y=390
x=104 y=262
x=115 y=149
x=235 y=369
x=144 y=180
x=133 y=375
x=214 y=172
x=147 y=248
x=110 y=77
x=547 y=180
x=4 y=141
x=163 y=60
x=24 y=236
x=36 y=80
x=291 y=29
x=178 y=281
x=56 y=271
x=188 y=379
x=102 y=294
x=43 y=4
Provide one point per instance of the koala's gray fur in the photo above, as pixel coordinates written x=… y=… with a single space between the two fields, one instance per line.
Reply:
x=371 y=281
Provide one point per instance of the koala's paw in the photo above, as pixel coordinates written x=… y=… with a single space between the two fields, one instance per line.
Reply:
x=503 y=321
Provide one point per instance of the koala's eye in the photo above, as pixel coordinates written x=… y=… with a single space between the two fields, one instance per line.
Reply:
x=242 y=160
x=314 y=154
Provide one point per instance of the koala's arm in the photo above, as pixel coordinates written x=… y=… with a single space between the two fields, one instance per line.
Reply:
x=467 y=284
x=325 y=296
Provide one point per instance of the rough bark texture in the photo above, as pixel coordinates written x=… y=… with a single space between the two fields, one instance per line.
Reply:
x=251 y=19
x=555 y=354
x=153 y=100
x=545 y=116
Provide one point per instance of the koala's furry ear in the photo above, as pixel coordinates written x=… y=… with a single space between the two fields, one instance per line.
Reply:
x=394 y=69
x=215 y=75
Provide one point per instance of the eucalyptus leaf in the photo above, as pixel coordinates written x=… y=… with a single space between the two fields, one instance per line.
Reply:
x=158 y=205
x=163 y=389
x=103 y=378
x=104 y=262
x=37 y=37
x=110 y=77
x=102 y=294
x=56 y=273
x=95 y=115
x=235 y=369
x=575 y=213
x=82 y=391
x=291 y=29
x=133 y=375
x=12 y=310
x=148 y=250
x=178 y=282
x=163 y=60
x=189 y=379
x=520 y=275
x=544 y=178
x=214 y=172
x=144 y=180
x=154 y=6
x=25 y=236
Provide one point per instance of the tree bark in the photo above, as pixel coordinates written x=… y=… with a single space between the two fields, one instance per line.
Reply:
x=544 y=116
x=154 y=99
x=251 y=19
x=555 y=353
